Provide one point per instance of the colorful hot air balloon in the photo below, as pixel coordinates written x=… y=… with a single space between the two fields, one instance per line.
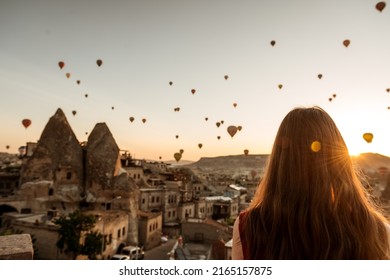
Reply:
x=26 y=123
x=99 y=62
x=272 y=43
x=177 y=156
x=74 y=112
x=232 y=130
x=380 y=6
x=131 y=119
x=193 y=91
x=67 y=75
x=200 y=145
x=346 y=43
x=246 y=152
x=368 y=137
x=61 y=64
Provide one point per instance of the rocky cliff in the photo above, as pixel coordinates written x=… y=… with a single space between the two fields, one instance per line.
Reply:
x=56 y=148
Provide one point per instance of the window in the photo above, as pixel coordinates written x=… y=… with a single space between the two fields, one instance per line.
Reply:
x=123 y=231
x=143 y=201
x=152 y=199
x=158 y=199
x=51 y=192
x=174 y=213
x=119 y=233
x=169 y=214
x=109 y=239
x=150 y=228
x=69 y=175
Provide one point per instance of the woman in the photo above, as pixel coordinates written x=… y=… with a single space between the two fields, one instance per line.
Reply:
x=310 y=203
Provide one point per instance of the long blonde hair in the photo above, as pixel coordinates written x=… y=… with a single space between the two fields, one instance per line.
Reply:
x=310 y=203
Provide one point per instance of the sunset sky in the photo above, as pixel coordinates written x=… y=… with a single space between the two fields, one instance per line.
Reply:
x=146 y=44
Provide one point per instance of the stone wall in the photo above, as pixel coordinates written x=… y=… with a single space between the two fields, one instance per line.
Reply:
x=16 y=247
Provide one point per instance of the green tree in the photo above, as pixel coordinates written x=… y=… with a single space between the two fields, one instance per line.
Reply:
x=71 y=230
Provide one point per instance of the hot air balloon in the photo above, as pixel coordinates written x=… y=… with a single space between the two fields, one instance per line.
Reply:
x=222 y=122
x=272 y=43
x=200 y=145
x=226 y=77
x=181 y=151
x=246 y=152
x=67 y=75
x=177 y=136
x=144 y=120
x=26 y=123
x=131 y=119
x=319 y=76
x=346 y=43
x=368 y=137
x=388 y=89
x=170 y=83
x=217 y=124
x=218 y=137
x=380 y=6
x=206 y=119
x=112 y=108
x=280 y=86
x=330 y=99
x=334 y=95
x=7 y=147
x=193 y=91
x=160 y=157
x=86 y=95
x=99 y=62
x=234 y=105
x=86 y=133
x=232 y=130
x=177 y=109
x=61 y=64
x=74 y=112
x=177 y=156
x=239 y=128
x=78 y=82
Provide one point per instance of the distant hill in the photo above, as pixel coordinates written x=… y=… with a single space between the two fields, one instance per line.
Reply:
x=241 y=164
x=230 y=165
x=370 y=162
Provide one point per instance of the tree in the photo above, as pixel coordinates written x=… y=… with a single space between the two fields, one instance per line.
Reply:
x=71 y=230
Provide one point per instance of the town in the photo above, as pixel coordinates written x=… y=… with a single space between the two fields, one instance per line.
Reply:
x=119 y=207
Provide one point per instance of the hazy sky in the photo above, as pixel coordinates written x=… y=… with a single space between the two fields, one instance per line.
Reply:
x=146 y=44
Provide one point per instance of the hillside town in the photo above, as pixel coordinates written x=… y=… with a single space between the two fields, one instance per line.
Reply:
x=137 y=204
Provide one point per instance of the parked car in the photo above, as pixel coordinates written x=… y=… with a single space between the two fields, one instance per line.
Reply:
x=120 y=257
x=133 y=252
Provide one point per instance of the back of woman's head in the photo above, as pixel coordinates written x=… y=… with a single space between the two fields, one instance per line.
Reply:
x=310 y=203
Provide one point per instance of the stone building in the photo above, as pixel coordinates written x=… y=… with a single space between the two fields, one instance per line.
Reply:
x=150 y=229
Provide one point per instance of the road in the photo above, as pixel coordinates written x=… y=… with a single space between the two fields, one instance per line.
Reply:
x=160 y=252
